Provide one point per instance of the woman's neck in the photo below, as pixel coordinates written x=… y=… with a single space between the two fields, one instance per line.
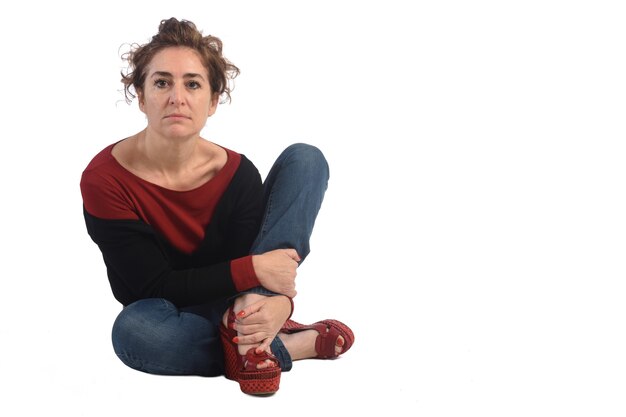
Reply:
x=167 y=155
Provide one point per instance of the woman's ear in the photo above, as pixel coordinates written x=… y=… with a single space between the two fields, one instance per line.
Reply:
x=140 y=100
x=213 y=104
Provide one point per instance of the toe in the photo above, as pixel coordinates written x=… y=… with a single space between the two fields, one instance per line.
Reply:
x=339 y=345
x=340 y=341
x=265 y=364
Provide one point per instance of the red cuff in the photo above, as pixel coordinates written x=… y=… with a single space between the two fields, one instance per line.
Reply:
x=242 y=273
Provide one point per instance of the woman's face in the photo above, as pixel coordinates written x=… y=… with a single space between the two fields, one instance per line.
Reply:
x=176 y=96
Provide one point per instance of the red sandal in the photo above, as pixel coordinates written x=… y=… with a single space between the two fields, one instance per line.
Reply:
x=243 y=369
x=329 y=330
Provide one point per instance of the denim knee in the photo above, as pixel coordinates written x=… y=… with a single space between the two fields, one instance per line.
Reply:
x=309 y=158
x=153 y=336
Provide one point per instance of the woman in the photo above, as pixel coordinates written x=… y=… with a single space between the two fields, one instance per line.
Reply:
x=201 y=253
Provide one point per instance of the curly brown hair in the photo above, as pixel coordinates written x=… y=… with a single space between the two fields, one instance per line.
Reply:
x=174 y=32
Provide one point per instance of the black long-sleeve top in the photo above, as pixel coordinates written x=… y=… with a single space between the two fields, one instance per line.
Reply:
x=189 y=247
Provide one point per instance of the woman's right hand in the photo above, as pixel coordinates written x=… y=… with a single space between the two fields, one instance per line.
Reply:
x=276 y=270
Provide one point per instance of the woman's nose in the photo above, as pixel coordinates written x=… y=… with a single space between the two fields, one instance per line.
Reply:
x=177 y=95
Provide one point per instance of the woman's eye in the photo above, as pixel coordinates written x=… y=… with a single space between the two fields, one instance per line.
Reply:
x=193 y=85
x=160 y=83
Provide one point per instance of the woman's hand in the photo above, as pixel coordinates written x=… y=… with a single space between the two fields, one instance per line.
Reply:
x=261 y=321
x=276 y=270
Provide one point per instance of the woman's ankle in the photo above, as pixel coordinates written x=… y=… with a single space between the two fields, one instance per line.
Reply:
x=300 y=345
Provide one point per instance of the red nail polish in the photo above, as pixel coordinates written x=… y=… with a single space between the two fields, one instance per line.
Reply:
x=340 y=342
x=235 y=339
x=241 y=313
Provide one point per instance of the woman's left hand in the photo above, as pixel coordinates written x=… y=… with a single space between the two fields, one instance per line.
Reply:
x=261 y=321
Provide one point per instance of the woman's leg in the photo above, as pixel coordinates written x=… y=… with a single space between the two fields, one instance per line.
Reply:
x=294 y=191
x=154 y=336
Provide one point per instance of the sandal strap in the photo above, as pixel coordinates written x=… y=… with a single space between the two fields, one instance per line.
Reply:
x=327 y=339
x=290 y=326
x=252 y=359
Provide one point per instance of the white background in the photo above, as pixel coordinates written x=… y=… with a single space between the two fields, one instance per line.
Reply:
x=473 y=234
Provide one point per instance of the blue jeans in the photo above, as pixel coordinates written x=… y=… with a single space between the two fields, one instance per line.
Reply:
x=154 y=336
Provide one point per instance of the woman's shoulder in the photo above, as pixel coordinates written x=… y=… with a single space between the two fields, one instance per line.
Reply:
x=102 y=159
x=101 y=187
x=103 y=170
x=244 y=165
x=237 y=160
x=241 y=170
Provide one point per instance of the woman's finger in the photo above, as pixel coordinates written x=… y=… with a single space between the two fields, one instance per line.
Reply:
x=250 y=339
x=265 y=345
x=249 y=310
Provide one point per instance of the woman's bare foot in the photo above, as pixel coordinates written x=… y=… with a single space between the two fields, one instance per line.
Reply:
x=301 y=345
x=240 y=303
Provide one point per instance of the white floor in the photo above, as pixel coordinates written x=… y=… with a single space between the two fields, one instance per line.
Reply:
x=473 y=234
